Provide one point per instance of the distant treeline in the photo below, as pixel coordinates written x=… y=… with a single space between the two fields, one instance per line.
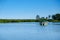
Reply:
x=50 y=18
x=17 y=20
x=24 y=20
x=53 y=18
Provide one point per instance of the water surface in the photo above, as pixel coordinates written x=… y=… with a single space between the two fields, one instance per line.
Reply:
x=29 y=31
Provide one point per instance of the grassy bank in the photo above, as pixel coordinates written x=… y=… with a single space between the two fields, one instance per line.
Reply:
x=24 y=20
x=16 y=20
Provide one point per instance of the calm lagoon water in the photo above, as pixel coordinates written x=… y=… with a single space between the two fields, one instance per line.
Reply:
x=29 y=31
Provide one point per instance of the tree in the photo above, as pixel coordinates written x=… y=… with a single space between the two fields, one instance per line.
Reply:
x=37 y=17
x=49 y=16
x=46 y=17
x=56 y=16
x=53 y=17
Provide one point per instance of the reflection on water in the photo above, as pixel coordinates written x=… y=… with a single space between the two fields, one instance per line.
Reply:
x=56 y=23
x=29 y=31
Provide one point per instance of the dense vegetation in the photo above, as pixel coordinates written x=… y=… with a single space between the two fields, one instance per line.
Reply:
x=50 y=18
x=16 y=20
x=56 y=16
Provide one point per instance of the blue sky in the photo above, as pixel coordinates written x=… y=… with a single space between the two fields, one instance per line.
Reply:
x=28 y=9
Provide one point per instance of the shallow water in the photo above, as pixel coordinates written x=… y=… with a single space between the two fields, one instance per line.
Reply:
x=29 y=31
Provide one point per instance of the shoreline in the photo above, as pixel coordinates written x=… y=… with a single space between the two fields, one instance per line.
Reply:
x=24 y=20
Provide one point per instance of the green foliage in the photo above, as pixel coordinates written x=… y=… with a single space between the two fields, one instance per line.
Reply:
x=49 y=16
x=16 y=20
x=56 y=16
x=37 y=17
